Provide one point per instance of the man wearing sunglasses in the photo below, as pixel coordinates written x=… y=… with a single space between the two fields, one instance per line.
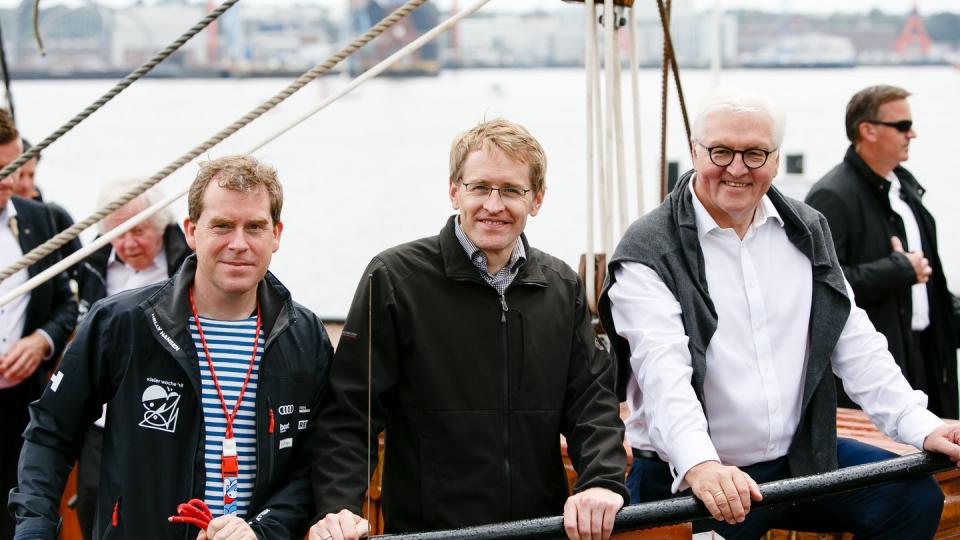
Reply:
x=887 y=244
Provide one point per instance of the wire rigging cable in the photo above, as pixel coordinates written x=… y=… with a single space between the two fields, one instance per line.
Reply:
x=146 y=213
x=69 y=234
x=134 y=76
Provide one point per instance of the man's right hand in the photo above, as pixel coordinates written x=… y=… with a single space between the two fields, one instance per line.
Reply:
x=726 y=491
x=920 y=263
x=344 y=525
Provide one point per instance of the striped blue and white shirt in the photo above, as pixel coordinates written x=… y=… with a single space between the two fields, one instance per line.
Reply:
x=229 y=343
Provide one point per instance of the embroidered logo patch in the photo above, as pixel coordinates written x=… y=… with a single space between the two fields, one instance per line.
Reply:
x=55 y=381
x=161 y=408
x=285 y=409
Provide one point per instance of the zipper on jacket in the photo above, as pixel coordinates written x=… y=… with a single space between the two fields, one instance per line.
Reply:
x=506 y=400
x=271 y=448
x=115 y=520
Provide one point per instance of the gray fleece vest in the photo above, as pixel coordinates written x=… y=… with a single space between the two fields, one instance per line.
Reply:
x=666 y=241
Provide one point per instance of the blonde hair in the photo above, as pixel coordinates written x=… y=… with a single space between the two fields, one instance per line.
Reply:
x=241 y=173
x=510 y=138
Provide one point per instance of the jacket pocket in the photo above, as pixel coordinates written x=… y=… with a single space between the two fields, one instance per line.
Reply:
x=114 y=520
x=430 y=482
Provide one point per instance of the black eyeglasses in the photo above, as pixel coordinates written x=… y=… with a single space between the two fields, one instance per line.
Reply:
x=482 y=191
x=753 y=158
x=902 y=126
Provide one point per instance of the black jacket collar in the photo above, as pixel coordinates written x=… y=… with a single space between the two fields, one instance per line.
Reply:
x=879 y=185
x=171 y=304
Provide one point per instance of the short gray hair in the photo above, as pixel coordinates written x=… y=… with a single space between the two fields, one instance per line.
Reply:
x=115 y=188
x=736 y=100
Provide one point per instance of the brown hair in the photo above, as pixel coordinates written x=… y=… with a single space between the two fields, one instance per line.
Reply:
x=510 y=138
x=237 y=173
x=8 y=130
x=865 y=106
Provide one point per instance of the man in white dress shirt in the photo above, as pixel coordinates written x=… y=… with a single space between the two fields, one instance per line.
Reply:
x=728 y=311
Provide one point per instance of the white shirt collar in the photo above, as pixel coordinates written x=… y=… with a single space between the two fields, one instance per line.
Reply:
x=9 y=211
x=894 y=183
x=160 y=261
x=705 y=222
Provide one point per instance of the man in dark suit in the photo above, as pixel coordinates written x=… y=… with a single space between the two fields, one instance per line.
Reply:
x=887 y=244
x=33 y=327
x=26 y=187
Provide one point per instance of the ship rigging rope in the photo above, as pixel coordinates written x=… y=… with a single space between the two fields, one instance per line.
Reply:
x=134 y=76
x=72 y=232
x=367 y=75
x=590 y=65
x=664 y=89
x=635 y=94
x=664 y=22
x=6 y=78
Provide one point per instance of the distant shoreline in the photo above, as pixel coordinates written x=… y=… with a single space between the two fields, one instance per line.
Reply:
x=27 y=75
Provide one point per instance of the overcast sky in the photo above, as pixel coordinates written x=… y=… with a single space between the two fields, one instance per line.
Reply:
x=806 y=6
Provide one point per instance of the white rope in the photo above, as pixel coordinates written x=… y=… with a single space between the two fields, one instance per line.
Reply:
x=590 y=59
x=622 y=212
x=635 y=86
x=598 y=134
x=74 y=230
x=82 y=253
x=383 y=66
x=103 y=240
x=609 y=23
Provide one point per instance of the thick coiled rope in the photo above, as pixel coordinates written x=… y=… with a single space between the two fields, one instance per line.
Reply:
x=69 y=234
x=133 y=77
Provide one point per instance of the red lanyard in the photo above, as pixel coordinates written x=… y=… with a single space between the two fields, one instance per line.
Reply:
x=228 y=463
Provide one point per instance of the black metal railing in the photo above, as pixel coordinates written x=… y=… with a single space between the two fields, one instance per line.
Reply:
x=683 y=509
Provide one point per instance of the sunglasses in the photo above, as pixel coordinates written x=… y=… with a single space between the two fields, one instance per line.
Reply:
x=902 y=126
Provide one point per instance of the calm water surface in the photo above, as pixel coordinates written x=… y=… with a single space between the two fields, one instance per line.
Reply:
x=371 y=170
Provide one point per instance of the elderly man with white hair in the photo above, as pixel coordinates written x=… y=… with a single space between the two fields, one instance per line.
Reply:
x=729 y=313
x=149 y=253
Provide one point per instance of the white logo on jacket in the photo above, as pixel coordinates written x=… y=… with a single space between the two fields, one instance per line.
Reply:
x=161 y=408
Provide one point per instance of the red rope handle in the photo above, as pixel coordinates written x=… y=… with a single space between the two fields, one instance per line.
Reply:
x=194 y=512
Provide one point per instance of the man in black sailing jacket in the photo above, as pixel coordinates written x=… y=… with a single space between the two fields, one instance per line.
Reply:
x=887 y=244
x=151 y=353
x=483 y=355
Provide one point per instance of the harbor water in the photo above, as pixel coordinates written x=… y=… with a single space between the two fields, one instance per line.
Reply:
x=370 y=171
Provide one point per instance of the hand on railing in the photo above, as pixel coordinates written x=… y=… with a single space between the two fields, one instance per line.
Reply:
x=725 y=490
x=344 y=525
x=945 y=440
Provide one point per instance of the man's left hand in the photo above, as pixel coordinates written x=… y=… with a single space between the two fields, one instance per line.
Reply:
x=23 y=358
x=227 y=528
x=589 y=515
x=945 y=440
